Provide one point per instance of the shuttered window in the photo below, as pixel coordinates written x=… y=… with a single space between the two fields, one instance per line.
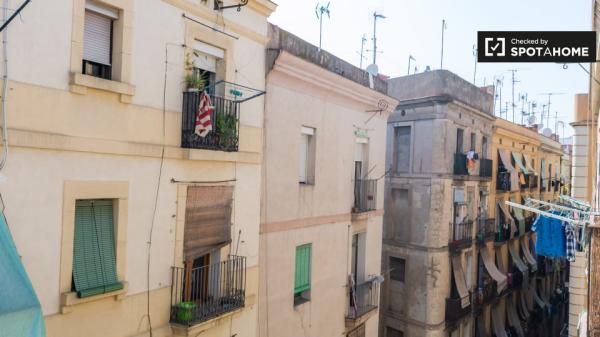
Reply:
x=94 y=260
x=302 y=274
x=97 y=39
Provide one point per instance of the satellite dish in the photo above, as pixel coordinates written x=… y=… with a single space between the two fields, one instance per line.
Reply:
x=547 y=132
x=373 y=69
x=531 y=120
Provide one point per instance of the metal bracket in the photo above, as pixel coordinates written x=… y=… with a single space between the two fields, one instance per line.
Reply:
x=239 y=6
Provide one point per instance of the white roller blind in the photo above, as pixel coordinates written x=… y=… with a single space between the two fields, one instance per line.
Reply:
x=96 y=38
x=303 y=169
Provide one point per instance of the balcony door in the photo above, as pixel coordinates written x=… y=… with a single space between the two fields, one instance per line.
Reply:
x=358 y=257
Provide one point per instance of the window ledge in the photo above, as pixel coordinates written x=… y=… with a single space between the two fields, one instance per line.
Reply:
x=69 y=300
x=81 y=82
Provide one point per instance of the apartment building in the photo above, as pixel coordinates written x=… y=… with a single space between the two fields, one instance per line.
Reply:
x=128 y=222
x=535 y=301
x=436 y=196
x=322 y=197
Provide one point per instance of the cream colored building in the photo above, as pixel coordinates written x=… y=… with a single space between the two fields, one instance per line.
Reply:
x=102 y=152
x=322 y=198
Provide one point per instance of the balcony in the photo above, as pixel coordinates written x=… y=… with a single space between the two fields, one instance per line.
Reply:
x=533 y=182
x=486 y=230
x=525 y=186
x=462 y=235
x=225 y=124
x=485 y=168
x=460 y=164
x=454 y=309
x=365 y=195
x=363 y=300
x=503 y=233
x=200 y=294
x=503 y=181
x=485 y=293
x=529 y=223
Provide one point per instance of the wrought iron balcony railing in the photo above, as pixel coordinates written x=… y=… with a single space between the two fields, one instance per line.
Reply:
x=461 y=235
x=485 y=168
x=533 y=182
x=486 y=229
x=365 y=195
x=502 y=233
x=200 y=294
x=503 y=181
x=455 y=310
x=363 y=298
x=460 y=164
x=225 y=123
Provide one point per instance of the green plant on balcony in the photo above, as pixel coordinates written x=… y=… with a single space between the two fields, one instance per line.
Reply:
x=226 y=128
x=185 y=311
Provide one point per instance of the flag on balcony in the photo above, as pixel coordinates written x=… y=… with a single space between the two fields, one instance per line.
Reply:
x=203 y=123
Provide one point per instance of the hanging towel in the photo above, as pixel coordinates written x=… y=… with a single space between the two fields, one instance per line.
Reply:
x=203 y=124
x=570 y=242
x=550 y=239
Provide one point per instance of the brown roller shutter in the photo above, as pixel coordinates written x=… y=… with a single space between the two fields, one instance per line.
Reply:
x=207 y=219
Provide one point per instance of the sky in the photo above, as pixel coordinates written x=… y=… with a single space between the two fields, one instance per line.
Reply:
x=414 y=28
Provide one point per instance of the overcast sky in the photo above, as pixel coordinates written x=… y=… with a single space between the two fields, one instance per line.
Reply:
x=414 y=28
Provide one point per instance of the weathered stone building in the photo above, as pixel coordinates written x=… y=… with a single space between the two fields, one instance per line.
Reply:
x=434 y=197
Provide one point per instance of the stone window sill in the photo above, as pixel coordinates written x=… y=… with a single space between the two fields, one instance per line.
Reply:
x=81 y=82
x=68 y=301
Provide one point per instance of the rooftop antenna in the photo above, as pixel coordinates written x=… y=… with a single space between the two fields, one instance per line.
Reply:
x=319 y=11
x=513 y=81
x=410 y=58
x=444 y=27
x=550 y=94
x=475 y=61
x=375 y=17
x=523 y=99
x=362 y=49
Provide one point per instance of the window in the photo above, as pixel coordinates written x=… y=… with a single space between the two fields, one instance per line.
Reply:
x=460 y=135
x=391 y=332
x=358 y=257
x=358 y=332
x=402 y=148
x=469 y=271
x=98 y=40
x=397 y=268
x=208 y=64
x=484 y=145
x=473 y=141
x=307 y=156
x=302 y=274
x=94 y=257
x=400 y=205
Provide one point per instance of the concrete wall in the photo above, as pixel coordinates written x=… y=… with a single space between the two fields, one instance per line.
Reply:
x=301 y=93
x=68 y=127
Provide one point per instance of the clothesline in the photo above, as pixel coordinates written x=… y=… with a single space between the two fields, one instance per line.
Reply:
x=585 y=218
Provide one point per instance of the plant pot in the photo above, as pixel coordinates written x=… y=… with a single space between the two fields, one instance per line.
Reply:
x=185 y=311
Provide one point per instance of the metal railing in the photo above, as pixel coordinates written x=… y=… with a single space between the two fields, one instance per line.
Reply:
x=454 y=309
x=503 y=181
x=485 y=168
x=460 y=164
x=533 y=181
x=485 y=292
x=525 y=186
x=486 y=229
x=365 y=195
x=502 y=233
x=363 y=298
x=225 y=124
x=199 y=294
x=462 y=234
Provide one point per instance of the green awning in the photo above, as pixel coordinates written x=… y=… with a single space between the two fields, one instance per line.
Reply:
x=519 y=162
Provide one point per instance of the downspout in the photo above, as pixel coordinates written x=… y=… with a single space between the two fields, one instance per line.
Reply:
x=4 y=87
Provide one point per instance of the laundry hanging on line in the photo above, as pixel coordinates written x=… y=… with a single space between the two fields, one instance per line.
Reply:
x=555 y=238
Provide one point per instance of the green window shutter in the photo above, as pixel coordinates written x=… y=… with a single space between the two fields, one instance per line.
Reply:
x=302 y=273
x=94 y=262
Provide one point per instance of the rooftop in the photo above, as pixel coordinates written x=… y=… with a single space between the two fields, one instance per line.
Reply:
x=282 y=40
x=440 y=85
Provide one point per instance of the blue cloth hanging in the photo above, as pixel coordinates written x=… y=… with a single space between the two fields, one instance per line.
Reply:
x=550 y=241
x=20 y=310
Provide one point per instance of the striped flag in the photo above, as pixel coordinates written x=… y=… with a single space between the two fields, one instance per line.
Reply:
x=203 y=123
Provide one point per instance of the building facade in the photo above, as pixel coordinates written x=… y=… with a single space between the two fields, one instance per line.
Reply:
x=439 y=159
x=322 y=198
x=141 y=227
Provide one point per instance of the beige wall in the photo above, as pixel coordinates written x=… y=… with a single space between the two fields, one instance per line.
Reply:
x=66 y=127
x=302 y=94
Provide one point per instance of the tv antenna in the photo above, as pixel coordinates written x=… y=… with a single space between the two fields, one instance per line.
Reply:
x=550 y=94
x=319 y=11
x=375 y=17
x=410 y=58
x=362 y=49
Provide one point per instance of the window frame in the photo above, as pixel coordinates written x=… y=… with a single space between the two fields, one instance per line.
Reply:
x=92 y=68
x=309 y=147
x=402 y=262
x=302 y=292
x=395 y=148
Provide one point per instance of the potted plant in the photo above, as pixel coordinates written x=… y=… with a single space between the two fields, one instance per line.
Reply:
x=194 y=82
x=185 y=311
x=226 y=128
